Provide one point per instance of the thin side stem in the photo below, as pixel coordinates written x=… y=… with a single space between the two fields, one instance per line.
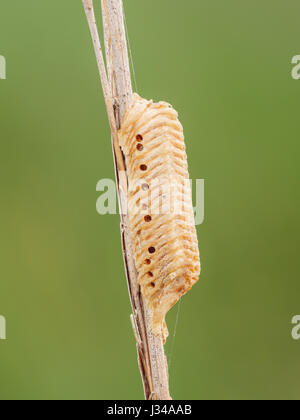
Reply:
x=91 y=18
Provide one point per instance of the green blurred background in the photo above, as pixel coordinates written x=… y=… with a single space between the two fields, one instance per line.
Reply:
x=226 y=67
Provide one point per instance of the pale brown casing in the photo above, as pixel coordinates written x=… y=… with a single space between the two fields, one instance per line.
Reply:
x=160 y=209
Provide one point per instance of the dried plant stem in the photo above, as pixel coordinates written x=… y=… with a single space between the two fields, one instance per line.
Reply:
x=117 y=89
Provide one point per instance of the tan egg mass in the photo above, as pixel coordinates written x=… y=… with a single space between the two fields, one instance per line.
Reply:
x=160 y=209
